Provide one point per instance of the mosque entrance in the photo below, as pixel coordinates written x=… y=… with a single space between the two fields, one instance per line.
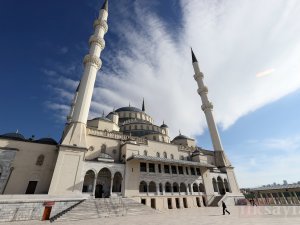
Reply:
x=99 y=191
x=103 y=186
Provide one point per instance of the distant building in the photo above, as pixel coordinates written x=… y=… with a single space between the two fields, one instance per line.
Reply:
x=275 y=194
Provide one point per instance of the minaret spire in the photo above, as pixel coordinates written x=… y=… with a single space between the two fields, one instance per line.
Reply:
x=76 y=132
x=194 y=59
x=143 y=105
x=105 y=5
x=207 y=108
x=221 y=161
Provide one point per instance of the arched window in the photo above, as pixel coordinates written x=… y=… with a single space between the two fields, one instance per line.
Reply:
x=201 y=187
x=195 y=188
x=152 y=187
x=103 y=148
x=157 y=154
x=145 y=153
x=143 y=186
x=40 y=160
x=182 y=187
x=165 y=155
x=181 y=157
x=168 y=187
x=172 y=156
x=175 y=187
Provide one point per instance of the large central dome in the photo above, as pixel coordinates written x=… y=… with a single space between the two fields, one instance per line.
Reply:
x=128 y=109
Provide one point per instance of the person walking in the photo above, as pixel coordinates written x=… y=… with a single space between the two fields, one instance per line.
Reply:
x=225 y=208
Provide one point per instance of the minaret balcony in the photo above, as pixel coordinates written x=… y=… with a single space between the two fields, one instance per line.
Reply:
x=101 y=23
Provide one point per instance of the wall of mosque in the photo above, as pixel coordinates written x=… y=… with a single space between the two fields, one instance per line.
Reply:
x=31 y=167
x=98 y=145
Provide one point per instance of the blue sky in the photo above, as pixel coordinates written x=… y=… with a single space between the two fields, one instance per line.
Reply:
x=250 y=63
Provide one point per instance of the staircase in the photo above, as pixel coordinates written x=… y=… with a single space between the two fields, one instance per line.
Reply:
x=216 y=200
x=105 y=207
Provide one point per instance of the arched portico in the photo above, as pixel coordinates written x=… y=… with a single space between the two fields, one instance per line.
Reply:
x=103 y=184
x=221 y=186
x=88 y=181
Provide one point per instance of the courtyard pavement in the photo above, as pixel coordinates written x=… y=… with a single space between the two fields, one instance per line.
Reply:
x=244 y=215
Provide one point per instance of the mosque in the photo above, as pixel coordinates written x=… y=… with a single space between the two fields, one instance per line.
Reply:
x=123 y=154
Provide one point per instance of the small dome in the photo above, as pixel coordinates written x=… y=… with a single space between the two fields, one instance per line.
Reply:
x=14 y=136
x=164 y=126
x=49 y=141
x=112 y=113
x=179 y=137
x=129 y=109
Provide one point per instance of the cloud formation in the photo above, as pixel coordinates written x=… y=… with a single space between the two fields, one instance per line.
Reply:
x=233 y=41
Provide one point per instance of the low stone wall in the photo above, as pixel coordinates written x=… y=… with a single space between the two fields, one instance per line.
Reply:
x=25 y=207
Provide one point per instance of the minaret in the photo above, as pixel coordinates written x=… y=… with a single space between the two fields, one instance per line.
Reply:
x=69 y=117
x=76 y=132
x=207 y=108
x=221 y=161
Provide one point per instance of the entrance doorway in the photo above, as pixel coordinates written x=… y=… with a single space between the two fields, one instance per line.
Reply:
x=198 y=202
x=204 y=201
x=99 y=191
x=177 y=203
x=185 y=203
x=103 y=186
x=153 y=205
x=47 y=212
x=169 y=203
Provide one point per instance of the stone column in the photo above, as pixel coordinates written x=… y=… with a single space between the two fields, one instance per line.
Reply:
x=94 y=186
x=163 y=190
x=111 y=185
x=274 y=201
x=157 y=189
x=296 y=197
x=285 y=201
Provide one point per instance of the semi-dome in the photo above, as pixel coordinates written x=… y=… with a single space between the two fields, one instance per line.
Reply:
x=129 y=109
x=47 y=141
x=14 y=136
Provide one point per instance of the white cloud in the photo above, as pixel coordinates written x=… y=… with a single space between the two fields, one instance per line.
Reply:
x=233 y=41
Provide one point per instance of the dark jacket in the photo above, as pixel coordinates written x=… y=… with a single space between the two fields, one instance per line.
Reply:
x=223 y=205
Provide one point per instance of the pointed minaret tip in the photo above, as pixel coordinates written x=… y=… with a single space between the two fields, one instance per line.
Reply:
x=194 y=59
x=143 y=106
x=105 y=5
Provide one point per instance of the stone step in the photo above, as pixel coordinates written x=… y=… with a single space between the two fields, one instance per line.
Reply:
x=101 y=208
